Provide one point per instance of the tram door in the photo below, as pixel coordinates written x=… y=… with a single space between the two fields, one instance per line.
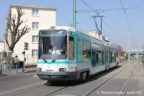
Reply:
x=93 y=58
x=71 y=48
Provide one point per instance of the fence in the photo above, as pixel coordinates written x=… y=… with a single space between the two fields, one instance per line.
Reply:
x=7 y=67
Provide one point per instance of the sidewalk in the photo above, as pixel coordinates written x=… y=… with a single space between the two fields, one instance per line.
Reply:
x=20 y=71
x=141 y=78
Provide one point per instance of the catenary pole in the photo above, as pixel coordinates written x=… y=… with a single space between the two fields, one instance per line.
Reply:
x=129 y=45
x=74 y=13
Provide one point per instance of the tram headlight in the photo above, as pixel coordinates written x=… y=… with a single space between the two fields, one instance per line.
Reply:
x=62 y=69
x=39 y=69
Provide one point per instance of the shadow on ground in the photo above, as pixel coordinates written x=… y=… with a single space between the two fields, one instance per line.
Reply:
x=75 y=83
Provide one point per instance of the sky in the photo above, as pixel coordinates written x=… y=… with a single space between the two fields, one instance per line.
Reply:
x=120 y=26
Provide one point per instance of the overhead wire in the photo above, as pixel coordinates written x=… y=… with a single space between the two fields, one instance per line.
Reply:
x=105 y=10
x=96 y=11
x=113 y=31
x=127 y=21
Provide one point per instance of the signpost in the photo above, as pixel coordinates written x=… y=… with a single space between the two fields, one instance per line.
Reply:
x=26 y=45
x=0 y=68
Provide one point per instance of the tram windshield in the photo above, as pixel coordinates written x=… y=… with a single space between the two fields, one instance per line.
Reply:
x=53 y=44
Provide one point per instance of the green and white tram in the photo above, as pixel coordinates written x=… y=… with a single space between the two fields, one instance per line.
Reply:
x=66 y=54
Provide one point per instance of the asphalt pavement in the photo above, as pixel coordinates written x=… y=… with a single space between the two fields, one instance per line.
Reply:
x=124 y=80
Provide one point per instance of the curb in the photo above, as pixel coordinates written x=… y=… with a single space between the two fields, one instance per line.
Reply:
x=15 y=74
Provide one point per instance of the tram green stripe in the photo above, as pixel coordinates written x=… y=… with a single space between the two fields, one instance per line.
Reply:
x=61 y=62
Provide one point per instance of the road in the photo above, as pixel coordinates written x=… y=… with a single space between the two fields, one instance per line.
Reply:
x=124 y=80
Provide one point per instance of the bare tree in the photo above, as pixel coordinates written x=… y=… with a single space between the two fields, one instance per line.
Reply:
x=15 y=29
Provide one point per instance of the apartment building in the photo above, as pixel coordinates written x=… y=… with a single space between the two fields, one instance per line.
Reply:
x=36 y=17
x=2 y=47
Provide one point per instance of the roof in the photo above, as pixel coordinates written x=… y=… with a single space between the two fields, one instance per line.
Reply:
x=66 y=28
x=74 y=30
x=59 y=28
x=33 y=6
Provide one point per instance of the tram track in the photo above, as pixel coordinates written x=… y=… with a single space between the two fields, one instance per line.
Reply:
x=102 y=81
x=91 y=91
x=60 y=89
x=106 y=81
x=125 y=88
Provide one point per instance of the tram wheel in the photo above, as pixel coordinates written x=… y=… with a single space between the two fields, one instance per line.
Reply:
x=83 y=76
x=107 y=67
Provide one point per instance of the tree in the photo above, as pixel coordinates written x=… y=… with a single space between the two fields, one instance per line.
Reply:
x=15 y=28
x=120 y=49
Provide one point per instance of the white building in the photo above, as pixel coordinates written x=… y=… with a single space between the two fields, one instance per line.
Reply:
x=2 y=47
x=36 y=17
x=94 y=34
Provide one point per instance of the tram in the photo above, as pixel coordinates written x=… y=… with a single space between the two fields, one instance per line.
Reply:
x=68 y=54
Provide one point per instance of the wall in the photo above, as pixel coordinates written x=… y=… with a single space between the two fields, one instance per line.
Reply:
x=46 y=18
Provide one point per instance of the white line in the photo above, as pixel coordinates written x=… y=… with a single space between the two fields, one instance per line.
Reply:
x=20 y=88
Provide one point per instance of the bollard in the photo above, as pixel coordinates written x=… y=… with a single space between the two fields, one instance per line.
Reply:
x=23 y=67
x=9 y=69
x=1 y=69
x=5 y=67
x=17 y=68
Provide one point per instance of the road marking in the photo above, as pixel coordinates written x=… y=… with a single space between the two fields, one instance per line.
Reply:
x=20 y=88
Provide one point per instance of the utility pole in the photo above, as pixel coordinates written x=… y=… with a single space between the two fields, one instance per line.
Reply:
x=129 y=46
x=74 y=13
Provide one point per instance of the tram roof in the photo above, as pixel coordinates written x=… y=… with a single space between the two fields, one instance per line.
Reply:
x=59 y=28
x=68 y=29
x=74 y=30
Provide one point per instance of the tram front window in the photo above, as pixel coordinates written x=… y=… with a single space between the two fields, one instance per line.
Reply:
x=53 y=45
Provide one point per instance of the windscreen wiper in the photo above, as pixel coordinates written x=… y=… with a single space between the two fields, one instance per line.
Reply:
x=44 y=60
x=53 y=60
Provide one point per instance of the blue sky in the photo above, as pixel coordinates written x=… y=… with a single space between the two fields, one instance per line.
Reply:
x=115 y=28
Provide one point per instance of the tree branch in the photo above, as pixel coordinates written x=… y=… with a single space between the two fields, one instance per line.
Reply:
x=15 y=29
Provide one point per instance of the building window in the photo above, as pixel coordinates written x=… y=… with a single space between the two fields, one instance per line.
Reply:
x=35 y=12
x=34 y=38
x=34 y=52
x=35 y=25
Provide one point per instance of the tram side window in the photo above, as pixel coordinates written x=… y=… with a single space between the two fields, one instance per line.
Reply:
x=86 y=49
x=114 y=57
x=106 y=56
x=94 y=58
x=99 y=56
x=71 y=48
x=111 y=58
x=103 y=57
